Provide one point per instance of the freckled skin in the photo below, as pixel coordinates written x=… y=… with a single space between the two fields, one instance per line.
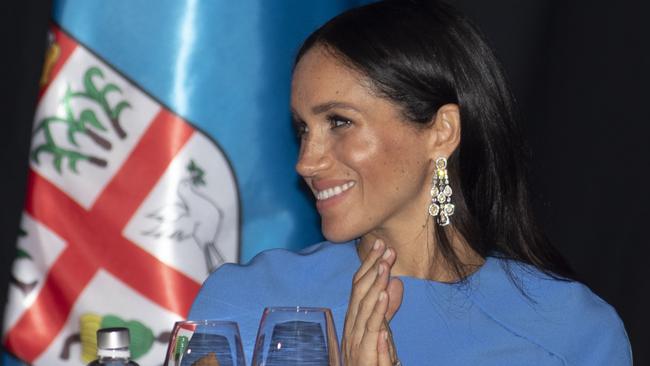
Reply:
x=384 y=155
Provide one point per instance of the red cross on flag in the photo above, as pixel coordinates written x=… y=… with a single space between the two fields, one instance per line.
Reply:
x=128 y=209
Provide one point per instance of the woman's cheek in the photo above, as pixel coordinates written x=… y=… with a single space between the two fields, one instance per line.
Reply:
x=361 y=152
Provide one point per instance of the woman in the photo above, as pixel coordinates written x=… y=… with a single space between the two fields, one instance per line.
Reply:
x=409 y=143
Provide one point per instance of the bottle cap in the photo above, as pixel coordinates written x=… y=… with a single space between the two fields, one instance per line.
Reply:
x=113 y=342
x=113 y=338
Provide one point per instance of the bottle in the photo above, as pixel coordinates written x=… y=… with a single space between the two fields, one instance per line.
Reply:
x=113 y=348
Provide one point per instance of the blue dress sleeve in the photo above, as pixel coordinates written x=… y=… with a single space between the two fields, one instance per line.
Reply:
x=602 y=335
x=565 y=318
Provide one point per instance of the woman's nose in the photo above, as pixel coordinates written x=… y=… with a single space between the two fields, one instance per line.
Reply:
x=314 y=157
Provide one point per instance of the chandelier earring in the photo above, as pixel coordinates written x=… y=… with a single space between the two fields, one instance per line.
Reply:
x=441 y=207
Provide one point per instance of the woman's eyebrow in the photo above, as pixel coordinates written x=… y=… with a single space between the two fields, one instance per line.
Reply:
x=324 y=107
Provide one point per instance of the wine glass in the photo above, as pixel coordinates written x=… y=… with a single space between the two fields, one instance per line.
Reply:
x=205 y=343
x=290 y=336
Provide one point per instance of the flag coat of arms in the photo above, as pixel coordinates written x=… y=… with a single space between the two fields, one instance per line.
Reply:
x=162 y=147
x=122 y=192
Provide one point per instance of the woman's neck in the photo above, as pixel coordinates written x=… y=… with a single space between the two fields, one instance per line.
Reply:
x=418 y=254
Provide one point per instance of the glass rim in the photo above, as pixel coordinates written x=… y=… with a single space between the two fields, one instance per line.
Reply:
x=297 y=309
x=207 y=322
x=227 y=328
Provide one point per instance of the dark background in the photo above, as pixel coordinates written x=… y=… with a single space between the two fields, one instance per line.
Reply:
x=579 y=70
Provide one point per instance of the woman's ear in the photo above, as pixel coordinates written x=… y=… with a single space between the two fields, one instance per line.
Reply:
x=445 y=136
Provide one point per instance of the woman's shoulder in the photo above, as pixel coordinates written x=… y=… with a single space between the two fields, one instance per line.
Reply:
x=563 y=316
x=568 y=299
x=277 y=277
x=322 y=255
x=321 y=258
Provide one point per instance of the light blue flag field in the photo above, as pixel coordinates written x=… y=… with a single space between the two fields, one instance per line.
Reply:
x=162 y=148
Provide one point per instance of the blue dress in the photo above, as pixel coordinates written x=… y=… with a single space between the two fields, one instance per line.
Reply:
x=485 y=321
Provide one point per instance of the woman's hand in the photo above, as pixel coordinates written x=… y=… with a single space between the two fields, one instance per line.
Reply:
x=374 y=300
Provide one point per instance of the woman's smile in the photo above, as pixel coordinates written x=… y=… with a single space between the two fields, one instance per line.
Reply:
x=324 y=190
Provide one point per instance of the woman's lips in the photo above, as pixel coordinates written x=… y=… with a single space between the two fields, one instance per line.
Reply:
x=326 y=193
x=329 y=193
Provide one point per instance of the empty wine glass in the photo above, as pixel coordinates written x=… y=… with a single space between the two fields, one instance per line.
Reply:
x=205 y=343
x=290 y=336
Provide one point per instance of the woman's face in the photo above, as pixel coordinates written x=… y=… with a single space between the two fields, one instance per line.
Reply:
x=368 y=168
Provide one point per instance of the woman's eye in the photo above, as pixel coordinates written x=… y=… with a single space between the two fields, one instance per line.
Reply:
x=300 y=127
x=337 y=121
x=302 y=130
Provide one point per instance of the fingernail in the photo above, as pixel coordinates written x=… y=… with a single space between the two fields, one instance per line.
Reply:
x=377 y=245
x=381 y=269
x=387 y=254
x=385 y=333
x=382 y=296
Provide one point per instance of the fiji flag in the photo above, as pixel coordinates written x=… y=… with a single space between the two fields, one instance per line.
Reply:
x=161 y=149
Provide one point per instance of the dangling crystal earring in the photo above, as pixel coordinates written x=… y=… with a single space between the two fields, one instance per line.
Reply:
x=441 y=207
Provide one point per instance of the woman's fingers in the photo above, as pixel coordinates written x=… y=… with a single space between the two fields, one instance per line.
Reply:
x=375 y=322
x=368 y=305
x=367 y=288
x=371 y=259
x=378 y=249
x=383 y=349
x=360 y=348
x=360 y=278
x=361 y=285
x=395 y=290
x=374 y=325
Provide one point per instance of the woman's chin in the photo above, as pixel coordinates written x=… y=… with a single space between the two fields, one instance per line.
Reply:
x=337 y=235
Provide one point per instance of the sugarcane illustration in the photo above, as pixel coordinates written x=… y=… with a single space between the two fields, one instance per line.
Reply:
x=85 y=123
x=100 y=97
